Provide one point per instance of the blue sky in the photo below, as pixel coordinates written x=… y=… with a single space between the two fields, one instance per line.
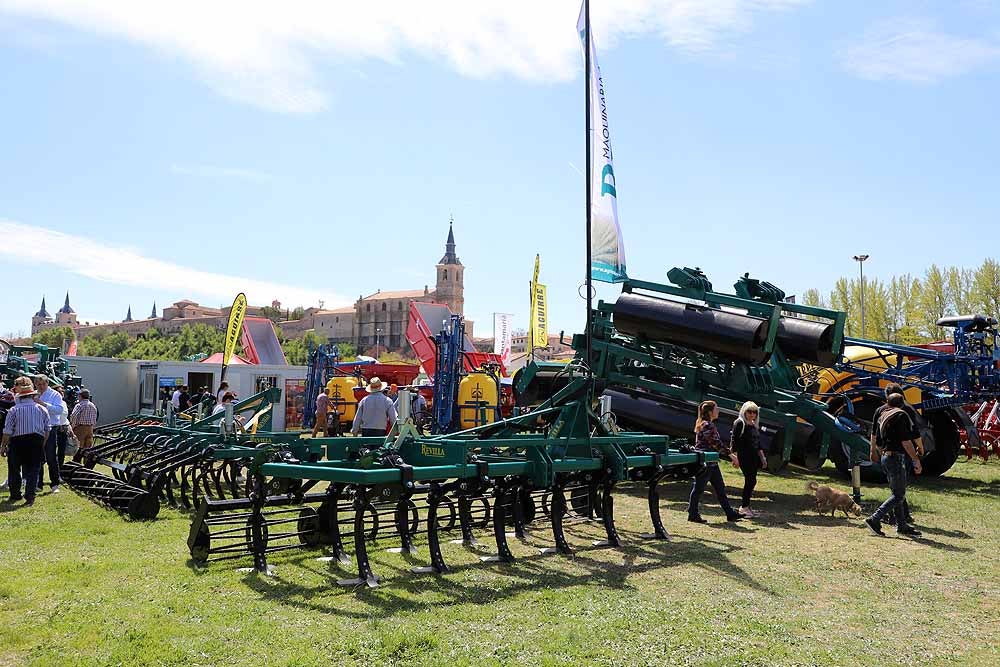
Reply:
x=317 y=150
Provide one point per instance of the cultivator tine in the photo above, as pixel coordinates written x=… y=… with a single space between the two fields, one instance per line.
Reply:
x=557 y=514
x=502 y=498
x=465 y=522
x=518 y=500
x=437 y=566
x=329 y=517
x=258 y=527
x=405 y=508
x=608 y=515
x=653 y=498
x=365 y=574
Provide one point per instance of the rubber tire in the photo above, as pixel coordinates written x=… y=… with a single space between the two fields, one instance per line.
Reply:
x=946 y=444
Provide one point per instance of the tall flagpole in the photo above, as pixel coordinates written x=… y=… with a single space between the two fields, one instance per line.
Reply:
x=586 y=125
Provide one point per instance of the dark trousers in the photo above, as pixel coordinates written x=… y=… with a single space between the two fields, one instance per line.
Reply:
x=24 y=459
x=55 y=454
x=895 y=470
x=750 y=465
x=372 y=432
x=710 y=474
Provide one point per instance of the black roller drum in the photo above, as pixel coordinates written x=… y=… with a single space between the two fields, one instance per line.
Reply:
x=732 y=335
x=808 y=341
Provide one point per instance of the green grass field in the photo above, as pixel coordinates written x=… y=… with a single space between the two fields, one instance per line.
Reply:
x=80 y=585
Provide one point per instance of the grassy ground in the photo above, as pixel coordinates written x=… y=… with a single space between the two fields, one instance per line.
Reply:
x=80 y=585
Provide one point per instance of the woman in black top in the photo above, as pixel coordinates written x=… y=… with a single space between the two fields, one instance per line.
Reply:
x=745 y=443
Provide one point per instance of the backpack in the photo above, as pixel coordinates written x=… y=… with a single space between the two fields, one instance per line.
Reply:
x=883 y=423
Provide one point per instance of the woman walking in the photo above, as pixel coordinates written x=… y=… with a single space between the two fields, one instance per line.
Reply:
x=706 y=439
x=750 y=456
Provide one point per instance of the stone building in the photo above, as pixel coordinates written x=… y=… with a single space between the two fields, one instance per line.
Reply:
x=378 y=319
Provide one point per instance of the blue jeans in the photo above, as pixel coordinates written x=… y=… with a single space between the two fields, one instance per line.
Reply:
x=24 y=458
x=55 y=454
x=709 y=474
x=895 y=469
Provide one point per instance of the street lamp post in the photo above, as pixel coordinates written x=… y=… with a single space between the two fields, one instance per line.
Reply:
x=860 y=259
x=378 y=332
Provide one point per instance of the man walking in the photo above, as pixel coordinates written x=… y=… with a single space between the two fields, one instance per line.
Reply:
x=375 y=411
x=322 y=408
x=23 y=440
x=896 y=434
x=911 y=412
x=50 y=399
x=83 y=420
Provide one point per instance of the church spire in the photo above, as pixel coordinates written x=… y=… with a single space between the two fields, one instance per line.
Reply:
x=152 y=315
x=42 y=312
x=449 y=247
x=128 y=316
x=66 y=308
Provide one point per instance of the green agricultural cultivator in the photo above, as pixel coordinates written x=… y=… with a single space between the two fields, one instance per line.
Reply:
x=557 y=463
x=176 y=461
x=662 y=349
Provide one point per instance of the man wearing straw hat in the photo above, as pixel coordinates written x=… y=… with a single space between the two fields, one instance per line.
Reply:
x=24 y=433
x=375 y=411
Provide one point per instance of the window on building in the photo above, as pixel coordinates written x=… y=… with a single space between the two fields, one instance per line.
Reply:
x=337 y=319
x=383 y=307
x=399 y=306
x=445 y=274
x=368 y=308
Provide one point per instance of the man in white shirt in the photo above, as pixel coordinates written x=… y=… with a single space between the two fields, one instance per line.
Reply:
x=54 y=405
x=175 y=399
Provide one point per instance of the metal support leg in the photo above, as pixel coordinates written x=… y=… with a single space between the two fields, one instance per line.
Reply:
x=330 y=508
x=504 y=554
x=558 y=512
x=365 y=574
x=518 y=511
x=608 y=516
x=402 y=517
x=659 y=532
x=257 y=528
x=437 y=565
x=465 y=522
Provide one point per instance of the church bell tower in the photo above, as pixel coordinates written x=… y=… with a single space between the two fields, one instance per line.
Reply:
x=450 y=280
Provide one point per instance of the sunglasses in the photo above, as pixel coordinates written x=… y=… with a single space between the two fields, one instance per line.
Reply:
x=751 y=412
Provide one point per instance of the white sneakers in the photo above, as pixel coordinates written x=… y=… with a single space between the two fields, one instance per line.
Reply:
x=748 y=513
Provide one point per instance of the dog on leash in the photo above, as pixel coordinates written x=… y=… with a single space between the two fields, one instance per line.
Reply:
x=828 y=498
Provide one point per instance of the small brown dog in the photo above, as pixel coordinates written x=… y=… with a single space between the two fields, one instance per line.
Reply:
x=828 y=498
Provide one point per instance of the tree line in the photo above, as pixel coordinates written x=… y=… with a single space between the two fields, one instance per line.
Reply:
x=905 y=309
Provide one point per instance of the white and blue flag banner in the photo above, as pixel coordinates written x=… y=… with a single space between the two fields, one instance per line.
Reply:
x=607 y=250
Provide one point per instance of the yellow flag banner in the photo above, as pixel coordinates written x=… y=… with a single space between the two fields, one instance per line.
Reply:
x=235 y=326
x=539 y=317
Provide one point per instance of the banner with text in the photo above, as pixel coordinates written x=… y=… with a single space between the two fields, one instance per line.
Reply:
x=607 y=262
x=538 y=328
x=235 y=326
x=502 y=335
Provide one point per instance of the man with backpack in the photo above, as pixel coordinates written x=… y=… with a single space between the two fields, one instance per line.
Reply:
x=890 y=389
x=893 y=441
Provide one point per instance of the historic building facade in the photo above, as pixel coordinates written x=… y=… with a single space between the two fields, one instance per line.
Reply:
x=377 y=320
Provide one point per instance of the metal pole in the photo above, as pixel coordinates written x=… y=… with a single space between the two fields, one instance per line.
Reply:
x=860 y=259
x=587 y=174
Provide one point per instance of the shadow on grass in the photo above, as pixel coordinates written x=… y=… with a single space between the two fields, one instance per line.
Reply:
x=404 y=591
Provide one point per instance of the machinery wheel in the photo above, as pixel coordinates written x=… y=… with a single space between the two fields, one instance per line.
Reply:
x=308 y=527
x=808 y=456
x=946 y=444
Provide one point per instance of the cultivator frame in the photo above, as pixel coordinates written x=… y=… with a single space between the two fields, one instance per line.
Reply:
x=152 y=460
x=514 y=472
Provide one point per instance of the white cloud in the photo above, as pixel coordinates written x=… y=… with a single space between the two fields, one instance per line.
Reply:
x=213 y=171
x=914 y=51
x=125 y=266
x=273 y=54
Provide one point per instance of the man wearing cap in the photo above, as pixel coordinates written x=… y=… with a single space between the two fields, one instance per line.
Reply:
x=83 y=420
x=23 y=441
x=375 y=411
x=53 y=403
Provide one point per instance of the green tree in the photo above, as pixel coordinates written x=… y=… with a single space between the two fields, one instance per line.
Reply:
x=933 y=302
x=55 y=337
x=105 y=343
x=985 y=297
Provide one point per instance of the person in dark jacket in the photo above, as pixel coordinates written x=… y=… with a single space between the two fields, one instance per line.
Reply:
x=745 y=443
x=896 y=438
x=903 y=508
x=706 y=439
